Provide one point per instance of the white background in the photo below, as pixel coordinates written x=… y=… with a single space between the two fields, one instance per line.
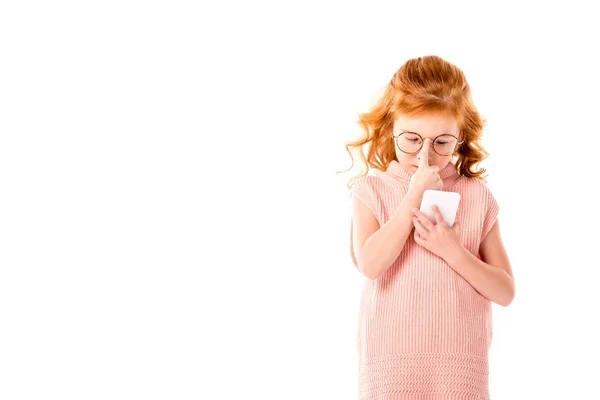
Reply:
x=171 y=224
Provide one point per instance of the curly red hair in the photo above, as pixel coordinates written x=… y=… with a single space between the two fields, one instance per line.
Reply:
x=421 y=85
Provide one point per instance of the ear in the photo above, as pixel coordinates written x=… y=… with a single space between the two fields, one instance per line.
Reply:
x=461 y=141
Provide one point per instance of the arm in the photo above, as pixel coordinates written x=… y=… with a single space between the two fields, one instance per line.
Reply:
x=376 y=248
x=491 y=276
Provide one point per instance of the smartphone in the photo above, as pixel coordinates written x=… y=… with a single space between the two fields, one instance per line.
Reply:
x=447 y=202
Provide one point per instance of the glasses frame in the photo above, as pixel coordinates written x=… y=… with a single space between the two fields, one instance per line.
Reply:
x=396 y=136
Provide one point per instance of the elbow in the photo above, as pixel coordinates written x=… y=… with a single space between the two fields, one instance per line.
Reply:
x=509 y=295
x=505 y=302
x=370 y=274
x=368 y=270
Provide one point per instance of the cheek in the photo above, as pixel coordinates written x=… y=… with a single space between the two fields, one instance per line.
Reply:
x=406 y=160
x=400 y=156
x=441 y=161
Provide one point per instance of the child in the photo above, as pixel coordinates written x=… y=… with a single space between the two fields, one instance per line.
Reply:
x=425 y=315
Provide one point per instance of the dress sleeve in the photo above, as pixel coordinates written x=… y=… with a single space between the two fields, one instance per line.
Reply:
x=491 y=214
x=364 y=189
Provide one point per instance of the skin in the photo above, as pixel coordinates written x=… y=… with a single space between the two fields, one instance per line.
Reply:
x=491 y=276
x=429 y=126
x=377 y=247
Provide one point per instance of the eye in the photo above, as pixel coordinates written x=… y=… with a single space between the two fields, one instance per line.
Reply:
x=410 y=137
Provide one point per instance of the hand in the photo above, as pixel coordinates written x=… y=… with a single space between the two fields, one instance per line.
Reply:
x=426 y=176
x=437 y=238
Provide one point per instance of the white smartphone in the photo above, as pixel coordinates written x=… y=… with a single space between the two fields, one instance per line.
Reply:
x=447 y=202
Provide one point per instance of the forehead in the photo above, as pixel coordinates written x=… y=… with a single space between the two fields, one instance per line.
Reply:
x=427 y=125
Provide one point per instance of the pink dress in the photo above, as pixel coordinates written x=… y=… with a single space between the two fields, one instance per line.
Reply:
x=423 y=331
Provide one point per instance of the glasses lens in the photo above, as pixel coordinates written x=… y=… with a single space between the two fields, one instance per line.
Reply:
x=409 y=142
x=445 y=145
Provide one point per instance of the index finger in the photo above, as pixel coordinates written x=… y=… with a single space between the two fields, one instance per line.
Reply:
x=439 y=219
x=424 y=161
x=423 y=219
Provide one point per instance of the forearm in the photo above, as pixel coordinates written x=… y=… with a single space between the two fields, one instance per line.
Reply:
x=383 y=247
x=491 y=282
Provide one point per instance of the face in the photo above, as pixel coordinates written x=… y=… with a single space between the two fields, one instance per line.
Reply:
x=428 y=126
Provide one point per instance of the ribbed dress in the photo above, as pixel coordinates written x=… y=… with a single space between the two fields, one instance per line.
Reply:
x=423 y=331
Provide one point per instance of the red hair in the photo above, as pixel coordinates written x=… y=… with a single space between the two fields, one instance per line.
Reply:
x=422 y=85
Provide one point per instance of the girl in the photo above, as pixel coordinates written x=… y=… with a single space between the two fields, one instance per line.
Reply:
x=425 y=317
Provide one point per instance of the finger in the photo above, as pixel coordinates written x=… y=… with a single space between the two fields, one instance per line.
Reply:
x=419 y=240
x=456 y=226
x=438 y=216
x=427 y=224
x=419 y=229
x=424 y=154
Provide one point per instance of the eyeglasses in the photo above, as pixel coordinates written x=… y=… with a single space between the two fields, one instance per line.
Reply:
x=411 y=142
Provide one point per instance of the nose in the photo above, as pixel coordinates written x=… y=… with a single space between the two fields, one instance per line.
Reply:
x=430 y=151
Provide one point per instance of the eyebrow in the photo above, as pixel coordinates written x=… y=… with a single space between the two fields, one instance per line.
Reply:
x=407 y=131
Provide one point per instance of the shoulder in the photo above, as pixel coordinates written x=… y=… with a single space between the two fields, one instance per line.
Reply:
x=370 y=190
x=367 y=184
x=377 y=185
x=370 y=180
x=478 y=195
x=476 y=187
